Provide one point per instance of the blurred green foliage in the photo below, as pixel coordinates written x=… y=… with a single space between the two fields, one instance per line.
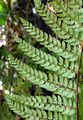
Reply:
x=5 y=113
x=3 y=12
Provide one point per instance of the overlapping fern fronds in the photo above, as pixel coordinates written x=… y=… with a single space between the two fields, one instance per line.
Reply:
x=40 y=78
x=59 y=68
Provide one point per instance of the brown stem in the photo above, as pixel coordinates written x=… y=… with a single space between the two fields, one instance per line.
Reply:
x=77 y=94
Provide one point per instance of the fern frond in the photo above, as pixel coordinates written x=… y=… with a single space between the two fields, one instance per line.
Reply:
x=57 y=25
x=72 y=16
x=63 y=11
x=61 y=49
x=76 y=8
x=60 y=80
x=55 y=69
x=54 y=22
x=42 y=103
x=75 y=3
x=30 y=113
x=46 y=60
x=39 y=78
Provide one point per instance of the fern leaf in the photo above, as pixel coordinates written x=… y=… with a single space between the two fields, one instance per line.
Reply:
x=51 y=43
x=75 y=3
x=60 y=28
x=40 y=103
x=39 y=78
x=63 y=11
x=45 y=60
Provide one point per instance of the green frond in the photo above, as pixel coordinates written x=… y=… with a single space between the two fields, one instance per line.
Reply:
x=70 y=15
x=54 y=45
x=40 y=103
x=62 y=81
x=46 y=60
x=63 y=11
x=54 y=22
x=57 y=25
x=76 y=8
x=39 y=78
x=75 y=3
x=58 y=64
x=30 y=113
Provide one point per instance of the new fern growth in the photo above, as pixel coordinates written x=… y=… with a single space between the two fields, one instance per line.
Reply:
x=59 y=66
